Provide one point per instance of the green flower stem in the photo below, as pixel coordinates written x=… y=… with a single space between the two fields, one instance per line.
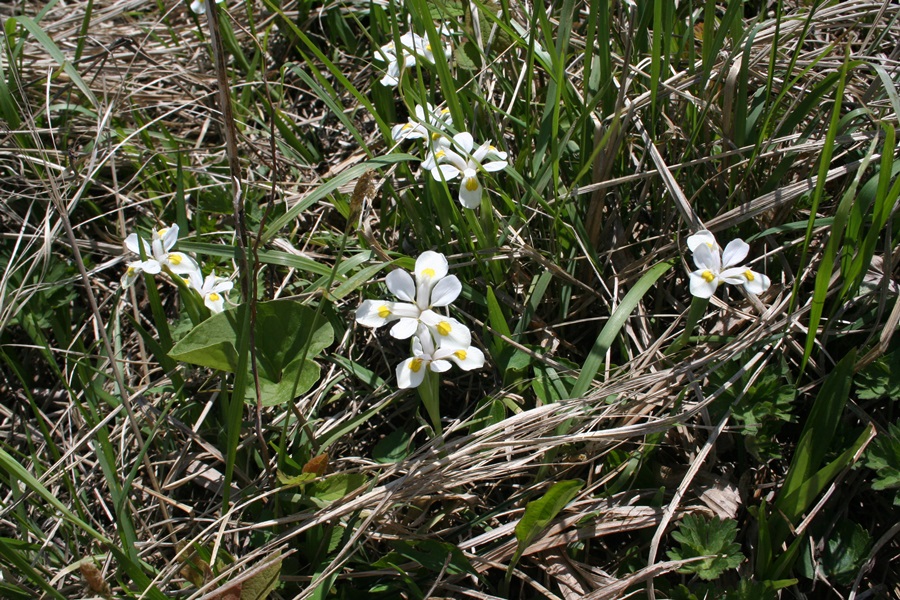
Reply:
x=430 y=395
x=697 y=310
x=475 y=227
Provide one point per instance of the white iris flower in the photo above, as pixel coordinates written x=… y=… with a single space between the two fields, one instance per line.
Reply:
x=157 y=255
x=415 y=128
x=715 y=266
x=436 y=152
x=411 y=372
x=431 y=288
x=132 y=272
x=412 y=46
x=702 y=237
x=449 y=164
x=199 y=6
x=212 y=289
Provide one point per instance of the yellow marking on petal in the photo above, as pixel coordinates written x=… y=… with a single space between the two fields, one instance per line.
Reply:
x=415 y=364
x=492 y=148
x=749 y=275
x=175 y=259
x=439 y=154
x=435 y=136
x=708 y=276
x=471 y=184
x=443 y=328
x=214 y=297
x=427 y=47
x=460 y=354
x=407 y=126
x=130 y=272
x=162 y=231
x=429 y=272
x=383 y=311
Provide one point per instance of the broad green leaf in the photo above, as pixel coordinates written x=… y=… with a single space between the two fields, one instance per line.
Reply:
x=283 y=328
x=442 y=10
x=539 y=513
x=259 y=585
x=335 y=487
x=291 y=481
x=433 y=556
x=288 y=335
x=846 y=549
x=210 y=344
x=392 y=448
x=467 y=57
x=296 y=379
x=880 y=379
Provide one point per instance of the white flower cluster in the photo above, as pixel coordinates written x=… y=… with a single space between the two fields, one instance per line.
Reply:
x=452 y=159
x=428 y=123
x=448 y=158
x=212 y=289
x=715 y=266
x=412 y=47
x=437 y=340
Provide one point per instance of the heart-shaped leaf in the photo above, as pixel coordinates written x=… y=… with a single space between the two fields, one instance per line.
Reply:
x=287 y=336
x=296 y=379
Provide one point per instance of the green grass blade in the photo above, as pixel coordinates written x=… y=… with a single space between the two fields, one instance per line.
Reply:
x=44 y=40
x=332 y=185
x=332 y=68
x=885 y=198
x=21 y=474
x=328 y=96
x=14 y=555
x=826 y=267
x=815 y=440
x=819 y=190
x=497 y=321
x=803 y=496
x=616 y=320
